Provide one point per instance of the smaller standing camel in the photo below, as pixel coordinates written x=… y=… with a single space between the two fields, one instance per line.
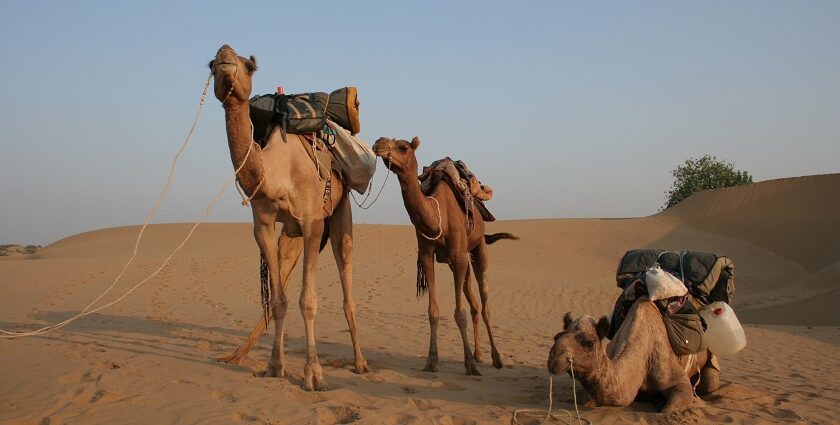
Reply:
x=639 y=361
x=443 y=233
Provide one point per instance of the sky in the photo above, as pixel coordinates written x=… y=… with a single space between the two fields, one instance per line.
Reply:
x=566 y=109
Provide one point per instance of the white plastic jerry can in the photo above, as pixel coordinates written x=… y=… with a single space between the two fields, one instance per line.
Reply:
x=724 y=334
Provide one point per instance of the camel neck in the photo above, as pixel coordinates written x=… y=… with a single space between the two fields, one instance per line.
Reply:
x=240 y=138
x=421 y=211
x=605 y=384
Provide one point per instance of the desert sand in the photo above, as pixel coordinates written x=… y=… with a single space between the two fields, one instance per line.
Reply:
x=151 y=358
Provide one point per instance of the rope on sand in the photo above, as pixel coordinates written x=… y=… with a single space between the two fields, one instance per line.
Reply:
x=548 y=414
x=87 y=310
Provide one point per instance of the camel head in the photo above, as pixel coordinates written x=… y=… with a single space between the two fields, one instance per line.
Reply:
x=232 y=75
x=398 y=155
x=583 y=341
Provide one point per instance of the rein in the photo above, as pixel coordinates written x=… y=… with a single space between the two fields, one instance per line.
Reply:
x=548 y=414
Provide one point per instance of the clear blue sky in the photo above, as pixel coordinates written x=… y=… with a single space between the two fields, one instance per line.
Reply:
x=566 y=109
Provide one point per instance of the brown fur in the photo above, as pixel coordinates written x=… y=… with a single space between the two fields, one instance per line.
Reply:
x=457 y=246
x=288 y=190
x=639 y=359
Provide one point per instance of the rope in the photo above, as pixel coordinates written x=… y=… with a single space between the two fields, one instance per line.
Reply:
x=370 y=186
x=548 y=414
x=87 y=311
x=440 y=223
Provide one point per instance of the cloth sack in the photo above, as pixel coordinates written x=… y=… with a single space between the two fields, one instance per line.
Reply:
x=355 y=158
x=662 y=285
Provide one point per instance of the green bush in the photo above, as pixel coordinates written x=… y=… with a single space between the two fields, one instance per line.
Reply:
x=703 y=173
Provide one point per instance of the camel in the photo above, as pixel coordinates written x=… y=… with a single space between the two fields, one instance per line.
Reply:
x=442 y=232
x=638 y=361
x=284 y=186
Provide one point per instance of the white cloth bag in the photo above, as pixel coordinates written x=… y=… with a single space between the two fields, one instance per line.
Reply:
x=663 y=285
x=355 y=158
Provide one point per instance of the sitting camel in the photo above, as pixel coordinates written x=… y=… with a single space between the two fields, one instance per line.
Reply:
x=638 y=361
x=443 y=233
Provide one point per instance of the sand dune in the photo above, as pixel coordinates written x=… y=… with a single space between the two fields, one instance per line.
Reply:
x=150 y=359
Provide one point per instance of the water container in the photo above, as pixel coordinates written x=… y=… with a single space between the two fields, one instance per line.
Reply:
x=724 y=334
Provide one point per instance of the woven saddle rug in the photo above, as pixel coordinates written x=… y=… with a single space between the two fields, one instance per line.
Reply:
x=468 y=189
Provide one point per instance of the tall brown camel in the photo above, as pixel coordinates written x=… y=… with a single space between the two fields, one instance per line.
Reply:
x=284 y=186
x=638 y=361
x=443 y=233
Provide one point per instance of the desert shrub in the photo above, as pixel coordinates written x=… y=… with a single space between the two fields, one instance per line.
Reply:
x=706 y=172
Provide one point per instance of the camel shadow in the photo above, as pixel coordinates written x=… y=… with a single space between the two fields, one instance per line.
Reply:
x=395 y=375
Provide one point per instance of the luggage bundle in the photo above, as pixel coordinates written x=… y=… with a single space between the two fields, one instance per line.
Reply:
x=708 y=278
x=333 y=118
x=305 y=112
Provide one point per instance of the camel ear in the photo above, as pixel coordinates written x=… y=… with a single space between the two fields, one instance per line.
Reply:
x=210 y=65
x=567 y=320
x=252 y=65
x=415 y=143
x=603 y=327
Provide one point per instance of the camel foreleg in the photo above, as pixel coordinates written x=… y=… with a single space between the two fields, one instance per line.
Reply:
x=426 y=261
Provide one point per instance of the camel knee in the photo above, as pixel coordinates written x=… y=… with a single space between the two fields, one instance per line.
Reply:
x=460 y=318
x=308 y=308
x=349 y=307
x=279 y=304
x=709 y=381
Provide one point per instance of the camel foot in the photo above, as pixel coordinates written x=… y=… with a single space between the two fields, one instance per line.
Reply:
x=362 y=367
x=472 y=370
x=497 y=360
x=430 y=367
x=313 y=377
x=234 y=358
x=272 y=372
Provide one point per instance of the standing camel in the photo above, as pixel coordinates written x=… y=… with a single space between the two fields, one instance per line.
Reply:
x=443 y=233
x=283 y=185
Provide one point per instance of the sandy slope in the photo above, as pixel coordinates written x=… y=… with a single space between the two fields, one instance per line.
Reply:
x=150 y=358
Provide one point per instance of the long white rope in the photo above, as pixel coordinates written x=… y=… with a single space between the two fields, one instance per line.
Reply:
x=87 y=311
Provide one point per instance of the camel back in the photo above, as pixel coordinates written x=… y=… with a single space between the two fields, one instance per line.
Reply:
x=708 y=277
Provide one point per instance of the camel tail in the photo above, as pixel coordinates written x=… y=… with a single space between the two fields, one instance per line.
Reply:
x=326 y=236
x=495 y=237
x=422 y=284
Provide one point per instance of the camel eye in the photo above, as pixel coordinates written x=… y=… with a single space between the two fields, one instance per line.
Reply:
x=250 y=66
x=585 y=341
x=403 y=149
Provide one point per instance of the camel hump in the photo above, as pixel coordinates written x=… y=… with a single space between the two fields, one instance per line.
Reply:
x=490 y=239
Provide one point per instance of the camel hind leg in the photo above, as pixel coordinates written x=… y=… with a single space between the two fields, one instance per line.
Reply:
x=341 y=235
x=479 y=264
x=474 y=311
x=709 y=376
x=459 y=264
x=313 y=378
x=289 y=252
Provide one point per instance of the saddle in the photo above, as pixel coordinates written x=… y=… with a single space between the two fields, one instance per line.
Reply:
x=467 y=188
